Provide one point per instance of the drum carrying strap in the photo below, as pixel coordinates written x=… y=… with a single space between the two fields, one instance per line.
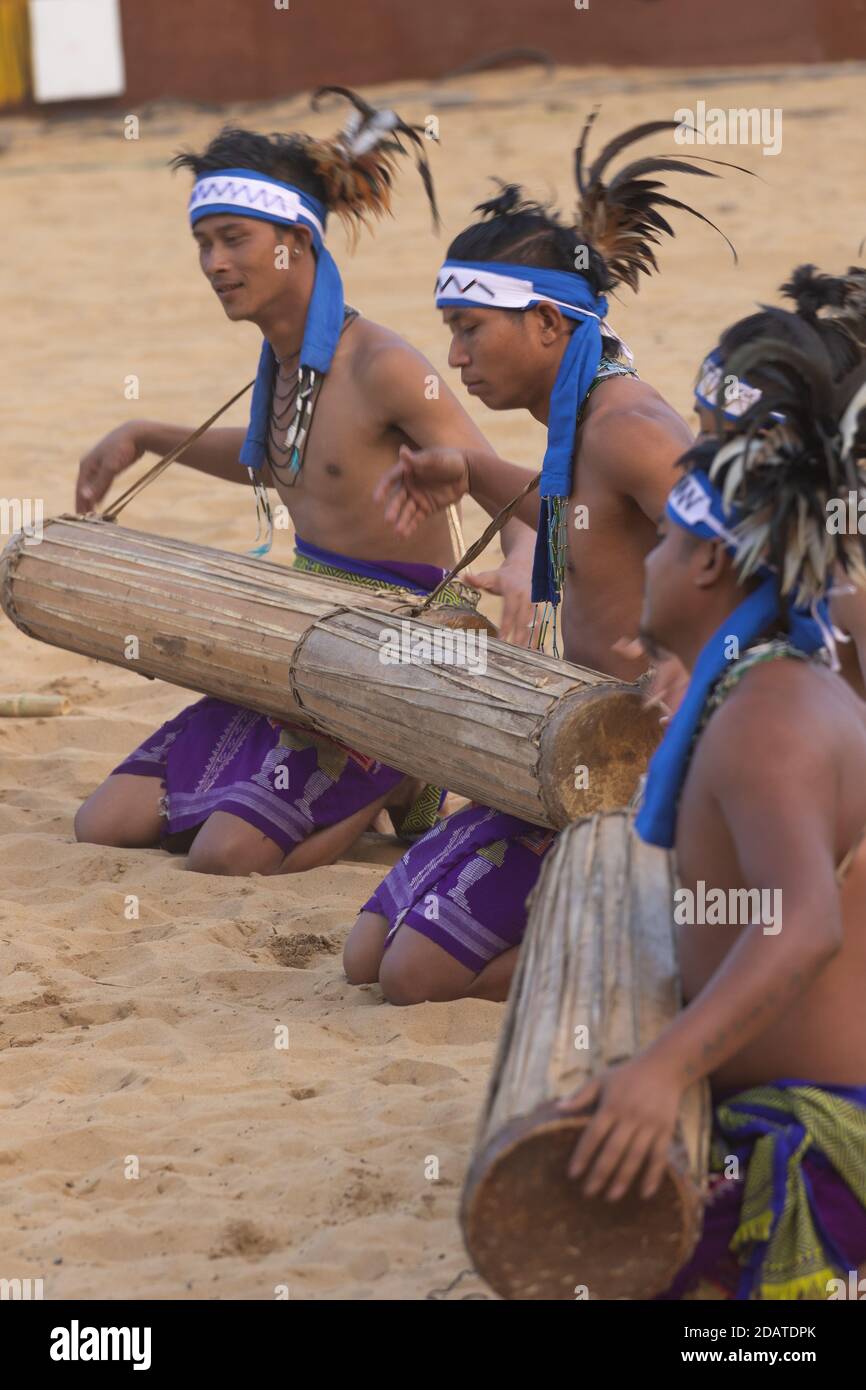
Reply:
x=160 y=466
x=496 y=525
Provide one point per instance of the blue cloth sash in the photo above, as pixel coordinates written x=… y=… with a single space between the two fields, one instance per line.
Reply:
x=657 y=818
x=458 y=286
x=225 y=191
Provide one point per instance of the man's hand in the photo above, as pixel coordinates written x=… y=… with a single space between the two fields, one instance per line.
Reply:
x=98 y=469
x=668 y=685
x=633 y=1126
x=669 y=680
x=510 y=583
x=423 y=482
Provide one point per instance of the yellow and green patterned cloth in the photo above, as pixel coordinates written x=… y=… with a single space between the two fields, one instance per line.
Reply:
x=794 y=1235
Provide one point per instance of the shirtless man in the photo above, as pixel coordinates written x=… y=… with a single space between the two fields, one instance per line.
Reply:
x=528 y=331
x=760 y=784
x=246 y=796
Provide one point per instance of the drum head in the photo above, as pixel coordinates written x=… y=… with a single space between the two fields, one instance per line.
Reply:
x=533 y=1235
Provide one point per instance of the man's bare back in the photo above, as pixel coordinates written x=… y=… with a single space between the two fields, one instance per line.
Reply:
x=776 y=709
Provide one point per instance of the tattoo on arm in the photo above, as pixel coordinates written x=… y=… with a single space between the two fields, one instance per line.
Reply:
x=790 y=989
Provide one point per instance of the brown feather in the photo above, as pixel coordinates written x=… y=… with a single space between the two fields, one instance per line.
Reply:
x=581 y=146
x=619 y=142
x=621 y=218
x=358 y=184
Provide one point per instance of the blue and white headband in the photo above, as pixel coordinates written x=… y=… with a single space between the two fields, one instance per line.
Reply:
x=739 y=398
x=488 y=287
x=246 y=193
x=254 y=195
x=696 y=504
x=502 y=285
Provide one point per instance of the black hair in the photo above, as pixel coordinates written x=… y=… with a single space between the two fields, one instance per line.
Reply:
x=616 y=225
x=843 y=334
x=515 y=228
x=282 y=157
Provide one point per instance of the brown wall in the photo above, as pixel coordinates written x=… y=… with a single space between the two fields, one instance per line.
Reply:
x=224 y=50
x=245 y=49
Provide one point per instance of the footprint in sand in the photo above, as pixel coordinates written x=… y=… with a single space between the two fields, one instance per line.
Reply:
x=242 y=1238
x=298 y=951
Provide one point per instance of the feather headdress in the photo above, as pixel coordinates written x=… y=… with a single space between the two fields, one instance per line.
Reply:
x=852 y=313
x=621 y=219
x=357 y=166
x=785 y=478
x=833 y=307
x=831 y=303
x=618 y=222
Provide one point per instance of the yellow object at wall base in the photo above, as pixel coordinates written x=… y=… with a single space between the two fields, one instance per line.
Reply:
x=15 y=79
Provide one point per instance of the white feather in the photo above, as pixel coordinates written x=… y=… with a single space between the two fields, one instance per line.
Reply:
x=370 y=135
x=848 y=423
x=352 y=126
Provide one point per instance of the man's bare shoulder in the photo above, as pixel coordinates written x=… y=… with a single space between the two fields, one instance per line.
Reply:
x=630 y=443
x=783 y=717
x=376 y=353
x=621 y=411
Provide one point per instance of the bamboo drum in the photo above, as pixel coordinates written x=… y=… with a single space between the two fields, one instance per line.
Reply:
x=596 y=982
x=539 y=738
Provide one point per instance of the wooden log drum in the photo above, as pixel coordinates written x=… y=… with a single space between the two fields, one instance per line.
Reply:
x=596 y=982
x=539 y=738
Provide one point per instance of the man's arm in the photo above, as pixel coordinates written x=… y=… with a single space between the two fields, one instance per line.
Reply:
x=753 y=754
x=512 y=582
x=411 y=397
x=633 y=448
x=848 y=612
x=446 y=446
x=777 y=796
x=634 y=451
x=215 y=453
x=426 y=481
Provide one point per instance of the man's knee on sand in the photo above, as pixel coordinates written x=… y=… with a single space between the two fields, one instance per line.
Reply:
x=92 y=826
x=400 y=974
x=414 y=970
x=362 y=951
x=404 y=982
x=123 y=812
x=227 y=846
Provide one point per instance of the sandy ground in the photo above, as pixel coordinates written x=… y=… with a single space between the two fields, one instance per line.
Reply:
x=148 y=1043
